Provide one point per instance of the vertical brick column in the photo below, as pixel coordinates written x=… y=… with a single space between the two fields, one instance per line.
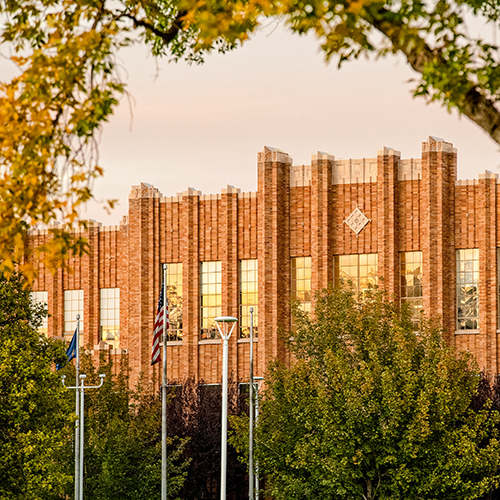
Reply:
x=439 y=173
x=190 y=229
x=321 y=201
x=142 y=292
x=273 y=252
x=90 y=282
x=486 y=214
x=228 y=221
x=387 y=214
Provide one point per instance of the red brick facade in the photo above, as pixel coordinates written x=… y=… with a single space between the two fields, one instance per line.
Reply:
x=412 y=205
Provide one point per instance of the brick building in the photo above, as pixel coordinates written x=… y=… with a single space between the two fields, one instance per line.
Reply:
x=432 y=237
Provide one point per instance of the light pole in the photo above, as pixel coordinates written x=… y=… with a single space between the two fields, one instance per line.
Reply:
x=250 y=423
x=257 y=381
x=225 y=321
x=80 y=387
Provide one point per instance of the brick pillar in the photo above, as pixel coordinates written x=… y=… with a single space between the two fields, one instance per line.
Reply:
x=439 y=173
x=143 y=275
x=90 y=282
x=191 y=281
x=387 y=214
x=228 y=221
x=273 y=252
x=321 y=203
x=486 y=214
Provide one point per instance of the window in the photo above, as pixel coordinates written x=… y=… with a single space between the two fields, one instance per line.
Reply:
x=41 y=298
x=249 y=296
x=360 y=269
x=301 y=281
x=73 y=305
x=174 y=297
x=411 y=283
x=110 y=316
x=211 y=298
x=468 y=289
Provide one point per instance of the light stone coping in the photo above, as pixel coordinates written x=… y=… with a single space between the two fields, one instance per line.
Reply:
x=231 y=190
x=144 y=190
x=410 y=169
x=108 y=228
x=355 y=171
x=488 y=175
x=320 y=155
x=385 y=151
x=467 y=182
x=210 y=197
x=274 y=154
x=251 y=194
x=300 y=175
x=433 y=144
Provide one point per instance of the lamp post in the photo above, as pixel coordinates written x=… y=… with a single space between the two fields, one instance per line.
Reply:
x=223 y=324
x=80 y=388
x=250 y=423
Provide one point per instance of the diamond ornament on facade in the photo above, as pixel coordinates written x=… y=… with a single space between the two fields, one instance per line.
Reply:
x=357 y=220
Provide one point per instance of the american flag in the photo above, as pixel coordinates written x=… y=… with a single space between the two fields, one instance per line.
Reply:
x=161 y=315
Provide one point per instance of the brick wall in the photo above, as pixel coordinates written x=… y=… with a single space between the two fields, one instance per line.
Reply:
x=411 y=204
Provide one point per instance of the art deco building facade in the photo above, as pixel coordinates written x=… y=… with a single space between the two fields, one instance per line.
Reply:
x=432 y=237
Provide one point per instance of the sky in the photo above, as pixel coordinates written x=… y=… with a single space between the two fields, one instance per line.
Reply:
x=202 y=126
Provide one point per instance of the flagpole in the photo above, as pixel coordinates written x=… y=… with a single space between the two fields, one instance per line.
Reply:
x=164 y=394
x=77 y=422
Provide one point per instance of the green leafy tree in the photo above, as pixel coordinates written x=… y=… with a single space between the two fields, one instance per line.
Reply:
x=374 y=410
x=123 y=439
x=35 y=414
x=66 y=85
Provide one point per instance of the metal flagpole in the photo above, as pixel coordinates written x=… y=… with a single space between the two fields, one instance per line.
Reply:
x=77 y=422
x=164 y=394
x=250 y=424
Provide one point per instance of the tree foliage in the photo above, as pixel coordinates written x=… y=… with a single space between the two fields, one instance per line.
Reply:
x=374 y=410
x=35 y=415
x=194 y=413
x=123 y=438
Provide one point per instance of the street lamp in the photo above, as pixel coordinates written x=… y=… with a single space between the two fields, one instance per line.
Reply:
x=223 y=324
x=80 y=388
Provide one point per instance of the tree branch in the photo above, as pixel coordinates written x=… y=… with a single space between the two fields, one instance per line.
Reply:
x=166 y=36
x=475 y=105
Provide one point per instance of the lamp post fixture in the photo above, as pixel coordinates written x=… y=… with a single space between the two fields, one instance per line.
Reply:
x=80 y=388
x=223 y=325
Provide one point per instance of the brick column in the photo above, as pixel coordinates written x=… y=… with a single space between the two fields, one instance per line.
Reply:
x=486 y=214
x=143 y=272
x=387 y=214
x=273 y=252
x=228 y=221
x=321 y=204
x=191 y=281
x=439 y=173
x=90 y=282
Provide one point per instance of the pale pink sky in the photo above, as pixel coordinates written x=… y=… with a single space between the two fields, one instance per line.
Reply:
x=202 y=126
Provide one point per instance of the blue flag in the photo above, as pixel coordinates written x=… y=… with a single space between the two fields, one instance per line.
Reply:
x=70 y=351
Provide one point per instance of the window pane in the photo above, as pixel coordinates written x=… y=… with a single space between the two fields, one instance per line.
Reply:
x=211 y=297
x=467 y=289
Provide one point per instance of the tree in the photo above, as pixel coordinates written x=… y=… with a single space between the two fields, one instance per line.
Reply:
x=35 y=415
x=194 y=413
x=374 y=410
x=67 y=85
x=123 y=439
